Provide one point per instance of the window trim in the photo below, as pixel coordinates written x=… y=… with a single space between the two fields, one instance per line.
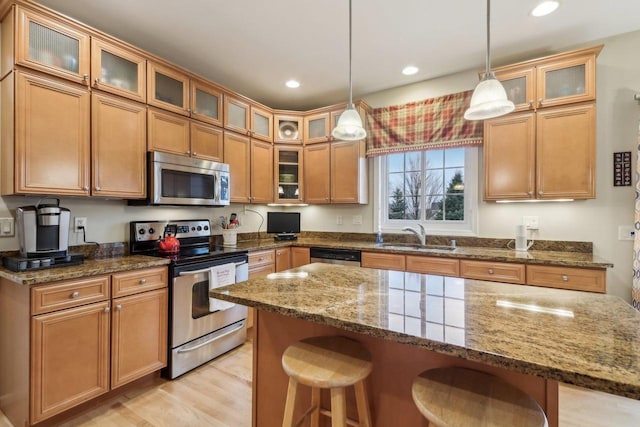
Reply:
x=468 y=227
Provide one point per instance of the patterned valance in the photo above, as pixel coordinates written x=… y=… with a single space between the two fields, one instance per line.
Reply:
x=422 y=125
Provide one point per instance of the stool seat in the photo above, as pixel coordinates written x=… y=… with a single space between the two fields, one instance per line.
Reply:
x=327 y=362
x=449 y=397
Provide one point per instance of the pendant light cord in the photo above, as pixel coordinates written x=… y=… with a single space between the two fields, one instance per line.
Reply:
x=488 y=59
x=350 y=80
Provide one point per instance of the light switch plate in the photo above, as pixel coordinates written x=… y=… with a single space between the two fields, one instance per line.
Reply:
x=357 y=219
x=530 y=222
x=7 y=228
x=626 y=232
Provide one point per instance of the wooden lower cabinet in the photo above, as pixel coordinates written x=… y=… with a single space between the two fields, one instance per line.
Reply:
x=283 y=259
x=300 y=257
x=493 y=271
x=69 y=358
x=433 y=265
x=578 y=279
x=383 y=261
x=261 y=263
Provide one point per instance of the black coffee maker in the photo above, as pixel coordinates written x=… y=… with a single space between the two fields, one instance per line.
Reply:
x=43 y=230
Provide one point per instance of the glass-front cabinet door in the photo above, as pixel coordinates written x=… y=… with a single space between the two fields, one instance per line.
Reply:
x=54 y=47
x=261 y=124
x=519 y=83
x=287 y=129
x=570 y=80
x=317 y=128
x=236 y=115
x=288 y=174
x=118 y=70
x=168 y=88
x=206 y=102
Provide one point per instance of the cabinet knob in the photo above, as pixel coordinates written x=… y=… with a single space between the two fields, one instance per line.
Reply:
x=187 y=152
x=118 y=307
x=490 y=271
x=188 y=110
x=540 y=101
x=531 y=101
x=107 y=309
x=195 y=154
x=143 y=281
x=278 y=253
x=530 y=193
x=540 y=193
x=96 y=81
x=85 y=188
x=76 y=294
x=98 y=188
x=565 y=278
x=260 y=259
x=85 y=76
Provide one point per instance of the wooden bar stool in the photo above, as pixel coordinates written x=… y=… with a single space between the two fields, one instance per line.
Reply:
x=331 y=362
x=449 y=397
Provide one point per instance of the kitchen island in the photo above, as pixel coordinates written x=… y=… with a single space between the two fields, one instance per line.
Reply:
x=532 y=337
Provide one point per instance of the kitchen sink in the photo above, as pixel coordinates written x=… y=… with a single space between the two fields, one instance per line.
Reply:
x=418 y=247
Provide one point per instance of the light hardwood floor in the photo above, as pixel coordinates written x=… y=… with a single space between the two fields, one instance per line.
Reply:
x=218 y=394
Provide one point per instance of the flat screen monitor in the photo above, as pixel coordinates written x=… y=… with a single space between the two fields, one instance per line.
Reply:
x=283 y=222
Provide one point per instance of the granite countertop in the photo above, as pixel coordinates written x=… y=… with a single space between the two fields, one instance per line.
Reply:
x=542 y=257
x=90 y=267
x=590 y=340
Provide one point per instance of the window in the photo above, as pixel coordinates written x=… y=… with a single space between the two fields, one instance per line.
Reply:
x=434 y=187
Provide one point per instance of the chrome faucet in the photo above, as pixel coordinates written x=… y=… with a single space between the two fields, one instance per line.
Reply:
x=421 y=235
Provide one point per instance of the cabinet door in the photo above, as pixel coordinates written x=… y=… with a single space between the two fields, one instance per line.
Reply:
x=51 y=159
x=69 y=358
x=261 y=172
x=168 y=132
x=261 y=124
x=348 y=172
x=317 y=128
x=300 y=257
x=383 y=261
x=206 y=102
x=520 y=85
x=118 y=147
x=206 y=142
x=287 y=129
x=237 y=154
x=118 y=70
x=139 y=336
x=288 y=168
x=167 y=88
x=283 y=259
x=566 y=152
x=317 y=173
x=509 y=157
x=52 y=46
x=566 y=81
x=236 y=115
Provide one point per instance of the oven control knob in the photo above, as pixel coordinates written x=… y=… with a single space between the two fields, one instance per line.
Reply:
x=141 y=231
x=151 y=231
x=206 y=227
x=199 y=228
x=193 y=229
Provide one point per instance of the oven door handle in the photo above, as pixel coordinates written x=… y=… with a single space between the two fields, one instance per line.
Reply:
x=187 y=273
x=207 y=342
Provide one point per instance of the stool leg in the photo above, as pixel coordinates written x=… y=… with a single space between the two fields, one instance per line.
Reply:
x=362 y=402
x=338 y=407
x=292 y=390
x=315 y=403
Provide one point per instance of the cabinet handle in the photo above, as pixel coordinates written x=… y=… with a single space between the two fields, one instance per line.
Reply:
x=107 y=309
x=490 y=271
x=143 y=281
x=118 y=307
x=540 y=101
x=76 y=294
x=565 y=278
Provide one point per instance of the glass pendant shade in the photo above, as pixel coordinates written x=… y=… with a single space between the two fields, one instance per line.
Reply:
x=489 y=100
x=349 y=127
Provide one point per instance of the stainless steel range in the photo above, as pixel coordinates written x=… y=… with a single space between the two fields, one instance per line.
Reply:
x=200 y=328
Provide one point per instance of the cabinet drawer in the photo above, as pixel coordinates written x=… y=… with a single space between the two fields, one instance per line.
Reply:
x=67 y=294
x=261 y=270
x=133 y=282
x=579 y=279
x=261 y=258
x=433 y=265
x=493 y=271
x=383 y=261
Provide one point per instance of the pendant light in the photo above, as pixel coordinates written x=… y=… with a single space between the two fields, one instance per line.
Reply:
x=489 y=98
x=349 y=127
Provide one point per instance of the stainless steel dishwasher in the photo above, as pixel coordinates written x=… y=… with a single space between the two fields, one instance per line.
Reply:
x=335 y=256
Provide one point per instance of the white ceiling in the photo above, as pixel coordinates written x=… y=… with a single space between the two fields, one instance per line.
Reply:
x=254 y=46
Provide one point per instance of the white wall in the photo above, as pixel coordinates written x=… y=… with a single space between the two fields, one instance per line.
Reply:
x=618 y=78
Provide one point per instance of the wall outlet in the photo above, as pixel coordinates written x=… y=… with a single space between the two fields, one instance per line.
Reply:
x=357 y=219
x=530 y=222
x=339 y=219
x=626 y=232
x=7 y=228
x=79 y=224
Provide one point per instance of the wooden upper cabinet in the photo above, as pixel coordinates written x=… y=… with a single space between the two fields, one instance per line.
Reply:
x=317 y=173
x=118 y=70
x=206 y=142
x=237 y=154
x=53 y=46
x=287 y=129
x=118 y=147
x=206 y=102
x=261 y=124
x=167 y=132
x=510 y=157
x=520 y=85
x=288 y=168
x=566 y=152
x=317 y=128
x=261 y=172
x=167 y=88
x=348 y=172
x=237 y=115
x=51 y=159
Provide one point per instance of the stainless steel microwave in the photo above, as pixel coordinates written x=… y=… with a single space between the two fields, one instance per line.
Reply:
x=181 y=180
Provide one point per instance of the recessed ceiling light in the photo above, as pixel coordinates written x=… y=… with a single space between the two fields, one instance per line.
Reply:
x=545 y=8
x=409 y=70
x=292 y=84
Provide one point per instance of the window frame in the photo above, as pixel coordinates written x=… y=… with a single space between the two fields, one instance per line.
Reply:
x=468 y=227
